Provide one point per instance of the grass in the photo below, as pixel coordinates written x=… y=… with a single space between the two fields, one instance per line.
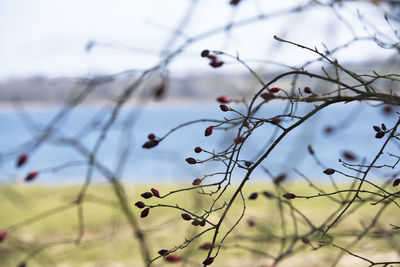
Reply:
x=108 y=240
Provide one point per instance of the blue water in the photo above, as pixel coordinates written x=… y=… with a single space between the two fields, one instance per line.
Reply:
x=166 y=162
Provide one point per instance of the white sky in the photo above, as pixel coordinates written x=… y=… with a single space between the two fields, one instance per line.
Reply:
x=48 y=37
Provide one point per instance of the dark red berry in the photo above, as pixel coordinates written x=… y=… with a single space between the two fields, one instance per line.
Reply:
x=239 y=140
x=224 y=108
x=150 y=144
x=31 y=176
x=251 y=222
x=196 y=181
x=396 y=182
x=22 y=160
x=307 y=90
x=208 y=261
x=140 y=204
x=267 y=96
x=159 y=91
x=3 y=235
x=275 y=90
x=329 y=129
x=224 y=99
x=377 y=128
x=186 y=216
x=173 y=258
x=212 y=57
x=216 y=64
x=208 y=131
x=205 y=53
x=191 y=160
x=234 y=2
x=155 y=192
x=253 y=196
x=144 y=212
x=379 y=135
x=163 y=252
x=268 y=194
x=147 y=195
x=329 y=171
x=289 y=196
x=383 y=126
x=387 y=110
x=206 y=246
x=349 y=155
x=276 y=120
x=151 y=136
x=197 y=149
x=196 y=223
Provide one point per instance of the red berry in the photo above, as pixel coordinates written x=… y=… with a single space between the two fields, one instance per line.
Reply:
x=253 y=196
x=186 y=216
x=248 y=163
x=208 y=261
x=147 y=195
x=150 y=144
x=216 y=64
x=289 y=196
x=191 y=160
x=206 y=246
x=307 y=90
x=198 y=149
x=274 y=90
x=140 y=204
x=251 y=223
x=329 y=171
x=349 y=155
x=234 y=2
x=173 y=258
x=3 y=235
x=196 y=181
x=212 y=57
x=396 y=182
x=224 y=108
x=379 y=135
x=383 y=126
x=163 y=252
x=151 y=136
x=267 y=96
x=22 y=160
x=377 y=128
x=280 y=178
x=224 y=99
x=31 y=176
x=208 y=131
x=205 y=53
x=155 y=192
x=144 y=212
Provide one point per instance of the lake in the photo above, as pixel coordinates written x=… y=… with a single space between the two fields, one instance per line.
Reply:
x=166 y=162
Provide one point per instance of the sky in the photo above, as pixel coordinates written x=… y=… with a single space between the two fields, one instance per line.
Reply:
x=48 y=37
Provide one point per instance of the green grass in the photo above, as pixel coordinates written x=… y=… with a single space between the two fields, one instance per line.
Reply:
x=109 y=241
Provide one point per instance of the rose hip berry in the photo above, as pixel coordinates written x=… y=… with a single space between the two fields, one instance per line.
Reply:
x=396 y=182
x=196 y=181
x=275 y=90
x=22 y=160
x=147 y=195
x=155 y=192
x=31 y=176
x=224 y=108
x=151 y=136
x=144 y=212
x=205 y=53
x=208 y=261
x=191 y=160
x=140 y=204
x=253 y=196
x=224 y=99
x=3 y=235
x=329 y=171
x=186 y=216
x=163 y=252
x=197 y=149
x=307 y=90
x=206 y=246
x=173 y=258
x=289 y=196
x=208 y=131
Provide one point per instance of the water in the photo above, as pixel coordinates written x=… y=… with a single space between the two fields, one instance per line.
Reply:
x=166 y=162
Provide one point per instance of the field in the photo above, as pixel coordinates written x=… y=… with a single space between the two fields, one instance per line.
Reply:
x=107 y=239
